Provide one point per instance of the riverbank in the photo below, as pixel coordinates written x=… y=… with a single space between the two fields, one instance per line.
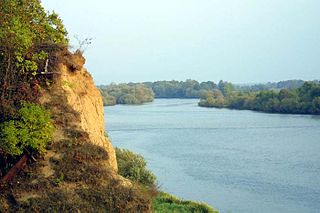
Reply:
x=239 y=161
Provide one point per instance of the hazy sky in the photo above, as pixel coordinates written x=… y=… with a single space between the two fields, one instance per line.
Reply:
x=235 y=40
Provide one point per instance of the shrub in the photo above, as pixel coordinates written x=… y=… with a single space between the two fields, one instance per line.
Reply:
x=165 y=203
x=134 y=167
x=32 y=130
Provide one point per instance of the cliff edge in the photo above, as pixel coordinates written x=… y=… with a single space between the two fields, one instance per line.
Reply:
x=78 y=173
x=76 y=103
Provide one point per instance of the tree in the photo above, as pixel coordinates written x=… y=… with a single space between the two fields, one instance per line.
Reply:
x=316 y=105
x=226 y=88
x=24 y=26
x=134 y=167
x=126 y=94
x=32 y=130
x=286 y=93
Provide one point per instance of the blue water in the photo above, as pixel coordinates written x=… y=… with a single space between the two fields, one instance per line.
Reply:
x=237 y=161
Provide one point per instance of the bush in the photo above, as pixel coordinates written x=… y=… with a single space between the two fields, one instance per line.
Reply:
x=165 y=203
x=134 y=167
x=32 y=130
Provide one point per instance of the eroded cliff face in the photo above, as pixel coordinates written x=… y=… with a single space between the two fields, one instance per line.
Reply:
x=79 y=171
x=75 y=91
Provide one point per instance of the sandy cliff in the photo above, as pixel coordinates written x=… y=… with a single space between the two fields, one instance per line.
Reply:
x=74 y=89
x=79 y=171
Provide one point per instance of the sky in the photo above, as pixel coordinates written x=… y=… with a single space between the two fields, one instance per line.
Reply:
x=241 y=41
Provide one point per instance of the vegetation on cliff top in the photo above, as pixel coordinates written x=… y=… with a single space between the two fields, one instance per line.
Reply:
x=72 y=176
x=27 y=36
x=25 y=28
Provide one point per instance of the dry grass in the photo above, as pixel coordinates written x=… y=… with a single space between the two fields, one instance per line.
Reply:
x=80 y=184
x=79 y=181
x=73 y=176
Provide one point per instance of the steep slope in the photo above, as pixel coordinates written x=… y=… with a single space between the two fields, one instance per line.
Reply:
x=79 y=171
x=75 y=94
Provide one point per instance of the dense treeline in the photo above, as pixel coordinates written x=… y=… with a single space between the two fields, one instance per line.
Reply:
x=180 y=89
x=292 y=96
x=303 y=100
x=194 y=89
x=289 y=84
x=126 y=94
x=159 y=89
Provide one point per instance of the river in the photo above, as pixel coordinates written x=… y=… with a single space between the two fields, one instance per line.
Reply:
x=237 y=161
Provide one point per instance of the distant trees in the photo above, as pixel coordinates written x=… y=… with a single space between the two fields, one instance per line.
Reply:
x=138 y=93
x=180 y=89
x=212 y=99
x=126 y=94
x=226 y=88
x=107 y=99
x=194 y=89
x=303 y=100
x=290 y=84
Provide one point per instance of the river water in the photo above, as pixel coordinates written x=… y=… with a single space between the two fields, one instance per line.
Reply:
x=237 y=161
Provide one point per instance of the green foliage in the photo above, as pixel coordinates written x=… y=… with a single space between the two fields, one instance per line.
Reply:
x=137 y=93
x=57 y=181
x=83 y=165
x=316 y=105
x=25 y=24
x=226 y=88
x=107 y=99
x=126 y=94
x=180 y=89
x=303 y=100
x=9 y=142
x=127 y=99
x=289 y=84
x=134 y=167
x=24 y=27
x=32 y=130
x=166 y=203
x=212 y=99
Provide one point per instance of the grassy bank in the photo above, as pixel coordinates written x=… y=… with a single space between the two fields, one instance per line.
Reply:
x=165 y=203
x=134 y=167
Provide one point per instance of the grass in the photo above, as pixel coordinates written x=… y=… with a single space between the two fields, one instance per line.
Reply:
x=166 y=203
x=134 y=167
x=80 y=183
